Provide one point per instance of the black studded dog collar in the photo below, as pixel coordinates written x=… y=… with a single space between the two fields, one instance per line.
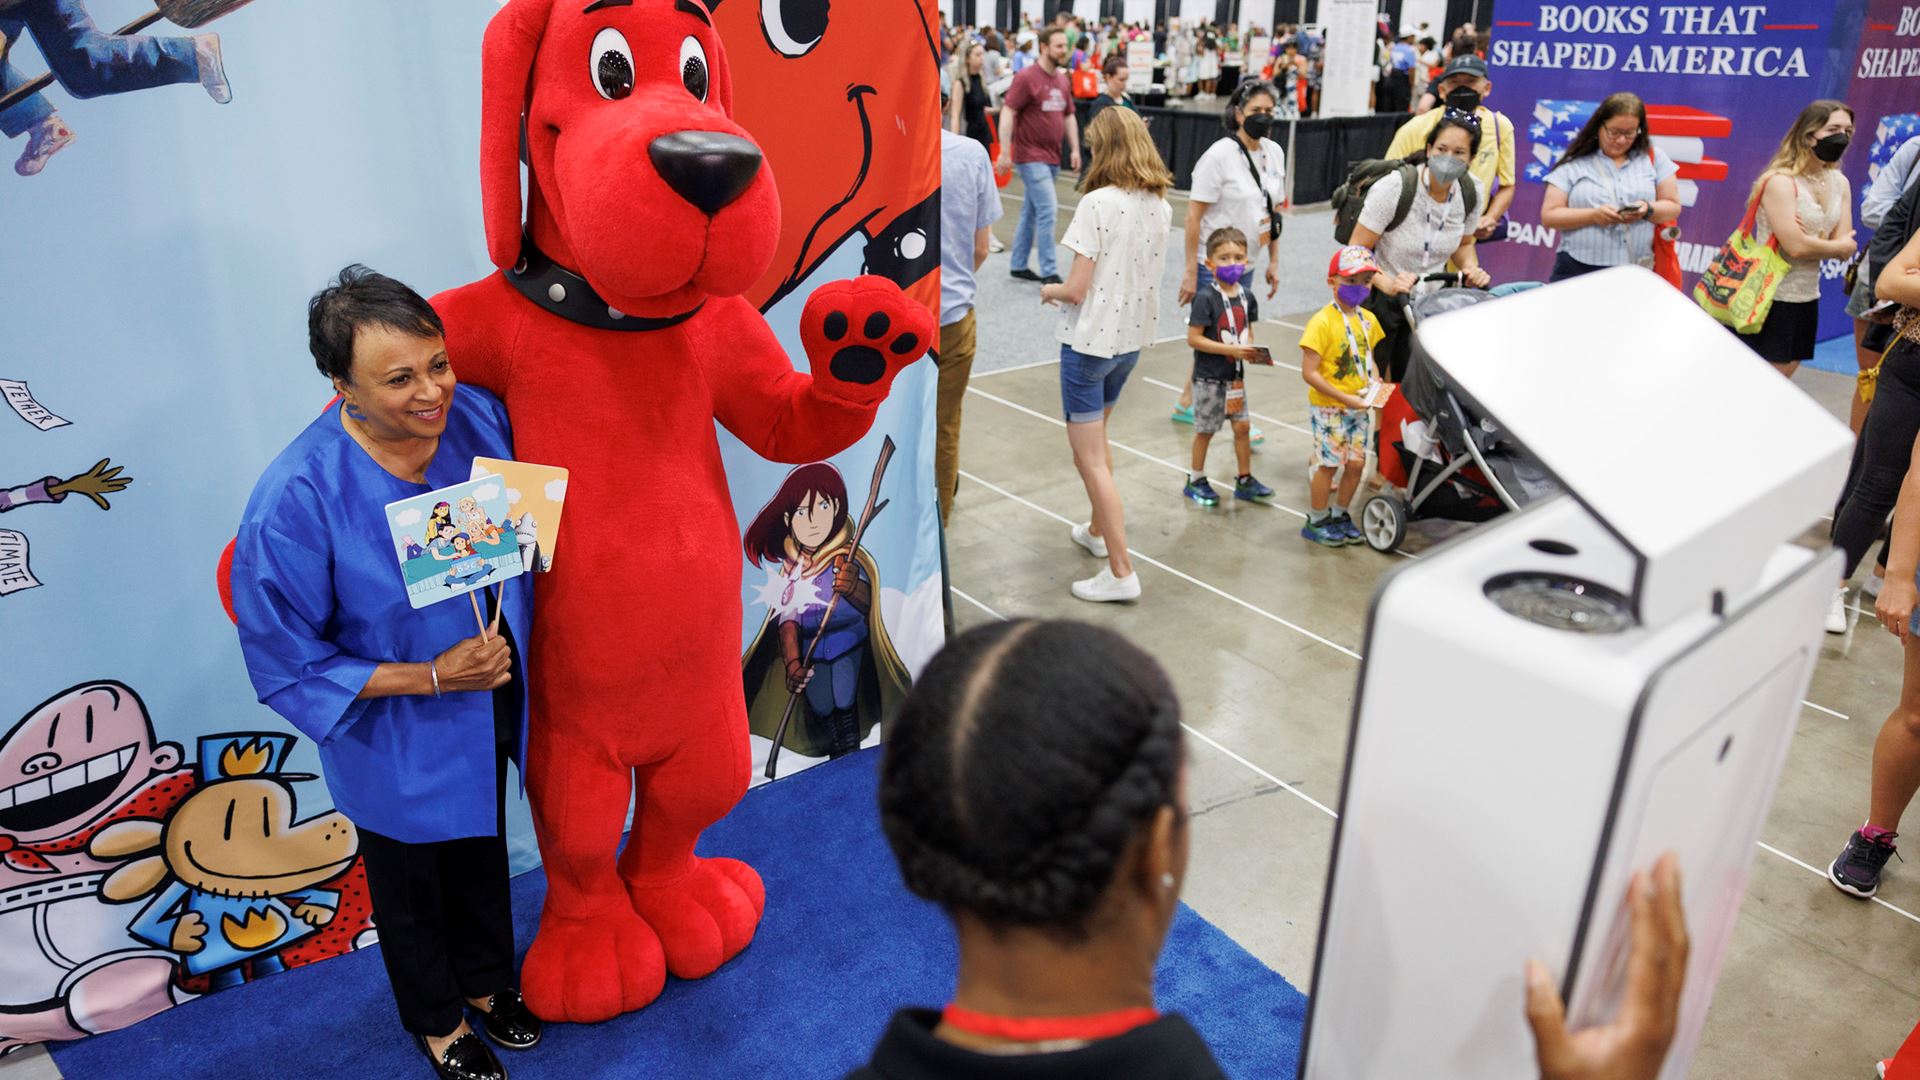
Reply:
x=567 y=294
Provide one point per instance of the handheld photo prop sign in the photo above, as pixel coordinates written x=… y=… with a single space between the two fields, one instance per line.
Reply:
x=454 y=541
x=535 y=494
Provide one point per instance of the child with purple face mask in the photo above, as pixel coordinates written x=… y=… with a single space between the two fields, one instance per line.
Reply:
x=1336 y=361
x=1220 y=332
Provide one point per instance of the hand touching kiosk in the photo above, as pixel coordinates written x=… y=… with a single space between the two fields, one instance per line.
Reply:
x=1553 y=701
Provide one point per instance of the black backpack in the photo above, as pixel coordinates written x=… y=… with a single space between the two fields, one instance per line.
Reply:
x=1351 y=196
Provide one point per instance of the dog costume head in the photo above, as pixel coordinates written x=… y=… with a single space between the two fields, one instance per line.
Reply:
x=640 y=180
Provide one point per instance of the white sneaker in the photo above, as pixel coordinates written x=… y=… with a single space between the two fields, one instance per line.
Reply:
x=1083 y=535
x=1872 y=586
x=1837 y=612
x=994 y=246
x=1103 y=587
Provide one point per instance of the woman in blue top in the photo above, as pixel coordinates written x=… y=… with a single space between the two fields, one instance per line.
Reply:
x=414 y=718
x=1609 y=191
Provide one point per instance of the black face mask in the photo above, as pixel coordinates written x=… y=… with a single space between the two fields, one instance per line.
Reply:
x=1464 y=98
x=1257 y=125
x=1830 y=148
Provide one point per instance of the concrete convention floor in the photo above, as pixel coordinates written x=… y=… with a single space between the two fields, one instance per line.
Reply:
x=1260 y=631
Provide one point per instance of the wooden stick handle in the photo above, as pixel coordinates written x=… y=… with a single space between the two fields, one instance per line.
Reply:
x=479 y=620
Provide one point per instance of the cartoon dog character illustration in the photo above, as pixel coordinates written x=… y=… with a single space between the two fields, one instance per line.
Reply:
x=841 y=169
x=233 y=875
x=82 y=761
x=617 y=334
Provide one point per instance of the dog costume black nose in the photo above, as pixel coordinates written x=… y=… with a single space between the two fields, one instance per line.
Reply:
x=707 y=168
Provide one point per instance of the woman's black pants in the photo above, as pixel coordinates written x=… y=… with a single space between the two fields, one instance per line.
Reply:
x=1881 y=455
x=445 y=923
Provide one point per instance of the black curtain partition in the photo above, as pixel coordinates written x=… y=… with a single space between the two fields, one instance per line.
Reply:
x=1324 y=148
x=1006 y=15
x=1110 y=9
x=963 y=13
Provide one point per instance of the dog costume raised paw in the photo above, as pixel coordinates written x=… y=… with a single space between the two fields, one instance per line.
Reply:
x=616 y=334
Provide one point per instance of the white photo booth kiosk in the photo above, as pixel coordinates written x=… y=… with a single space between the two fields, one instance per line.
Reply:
x=1550 y=702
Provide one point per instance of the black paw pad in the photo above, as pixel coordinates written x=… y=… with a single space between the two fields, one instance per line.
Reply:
x=903 y=345
x=836 y=325
x=860 y=364
x=877 y=324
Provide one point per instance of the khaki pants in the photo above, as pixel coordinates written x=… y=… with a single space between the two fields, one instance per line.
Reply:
x=956 y=364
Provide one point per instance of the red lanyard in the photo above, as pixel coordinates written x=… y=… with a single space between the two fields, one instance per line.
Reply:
x=1049 y=1028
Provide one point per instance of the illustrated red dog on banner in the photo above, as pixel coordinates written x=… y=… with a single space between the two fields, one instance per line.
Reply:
x=845 y=103
x=617 y=333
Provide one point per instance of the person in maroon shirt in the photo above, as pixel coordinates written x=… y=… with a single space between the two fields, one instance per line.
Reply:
x=1038 y=110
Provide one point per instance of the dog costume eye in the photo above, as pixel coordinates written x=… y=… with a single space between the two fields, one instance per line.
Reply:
x=693 y=67
x=610 y=64
x=793 y=27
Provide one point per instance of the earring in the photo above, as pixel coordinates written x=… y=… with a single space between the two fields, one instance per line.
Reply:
x=1166 y=881
x=353 y=411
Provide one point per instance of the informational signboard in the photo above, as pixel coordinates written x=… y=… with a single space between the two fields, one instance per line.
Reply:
x=1140 y=66
x=1344 y=90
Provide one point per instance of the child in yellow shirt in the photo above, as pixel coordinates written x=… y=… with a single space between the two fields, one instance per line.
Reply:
x=1336 y=361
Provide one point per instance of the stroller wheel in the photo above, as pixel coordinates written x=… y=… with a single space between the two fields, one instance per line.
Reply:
x=1383 y=521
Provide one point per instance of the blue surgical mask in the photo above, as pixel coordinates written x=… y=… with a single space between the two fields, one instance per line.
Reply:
x=1352 y=295
x=1230 y=273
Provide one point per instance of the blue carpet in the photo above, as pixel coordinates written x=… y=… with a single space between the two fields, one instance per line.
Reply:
x=842 y=945
x=1836 y=355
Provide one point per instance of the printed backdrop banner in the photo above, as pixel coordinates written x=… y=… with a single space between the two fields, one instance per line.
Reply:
x=1722 y=84
x=162 y=247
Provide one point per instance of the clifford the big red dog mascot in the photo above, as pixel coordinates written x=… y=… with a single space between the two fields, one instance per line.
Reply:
x=616 y=334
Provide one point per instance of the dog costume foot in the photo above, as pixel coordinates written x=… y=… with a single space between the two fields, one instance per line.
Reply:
x=706 y=918
x=585 y=970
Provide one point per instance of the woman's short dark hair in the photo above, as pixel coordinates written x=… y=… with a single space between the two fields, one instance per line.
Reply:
x=1020 y=767
x=361 y=297
x=1245 y=92
x=1113 y=63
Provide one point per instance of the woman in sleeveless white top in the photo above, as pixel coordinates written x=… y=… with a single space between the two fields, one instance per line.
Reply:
x=1806 y=205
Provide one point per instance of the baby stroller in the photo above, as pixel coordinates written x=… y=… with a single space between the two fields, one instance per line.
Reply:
x=1439 y=459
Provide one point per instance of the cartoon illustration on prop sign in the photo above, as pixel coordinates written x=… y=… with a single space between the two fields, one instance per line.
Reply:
x=617 y=335
x=81 y=776
x=234 y=876
x=466 y=546
x=89 y=62
x=823 y=669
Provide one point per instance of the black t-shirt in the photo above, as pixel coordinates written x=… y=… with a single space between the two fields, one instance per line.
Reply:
x=1167 y=1049
x=1214 y=313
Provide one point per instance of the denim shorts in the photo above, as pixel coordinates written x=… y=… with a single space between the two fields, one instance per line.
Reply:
x=1090 y=385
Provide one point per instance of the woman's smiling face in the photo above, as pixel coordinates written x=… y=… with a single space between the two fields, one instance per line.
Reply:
x=402 y=384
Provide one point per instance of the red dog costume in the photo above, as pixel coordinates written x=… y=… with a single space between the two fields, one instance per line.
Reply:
x=616 y=335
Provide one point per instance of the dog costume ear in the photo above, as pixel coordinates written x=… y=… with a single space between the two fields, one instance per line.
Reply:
x=506 y=77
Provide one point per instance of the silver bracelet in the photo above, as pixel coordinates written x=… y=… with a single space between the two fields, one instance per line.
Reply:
x=434 y=670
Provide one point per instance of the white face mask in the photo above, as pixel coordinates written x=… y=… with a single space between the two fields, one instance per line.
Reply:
x=1446 y=169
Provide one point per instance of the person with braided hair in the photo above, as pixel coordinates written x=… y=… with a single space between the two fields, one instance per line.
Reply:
x=1034 y=785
